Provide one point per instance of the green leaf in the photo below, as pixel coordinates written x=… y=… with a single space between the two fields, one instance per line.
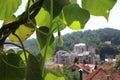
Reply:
x=57 y=6
x=50 y=76
x=10 y=51
x=57 y=72
x=21 y=53
x=33 y=69
x=24 y=31
x=73 y=1
x=8 y=7
x=58 y=23
x=75 y=19
x=11 y=67
x=42 y=38
x=99 y=8
x=43 y=18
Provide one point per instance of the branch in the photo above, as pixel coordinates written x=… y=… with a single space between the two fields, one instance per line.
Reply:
x=21 y=45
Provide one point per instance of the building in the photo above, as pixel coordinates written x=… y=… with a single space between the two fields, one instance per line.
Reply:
x=84 y=54
x=9 y=46
x=62 y=57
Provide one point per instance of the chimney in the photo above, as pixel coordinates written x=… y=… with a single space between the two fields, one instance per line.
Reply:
x=108 y=77
x=80 y=71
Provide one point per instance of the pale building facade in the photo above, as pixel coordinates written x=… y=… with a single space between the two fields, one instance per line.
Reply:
x=85 y=54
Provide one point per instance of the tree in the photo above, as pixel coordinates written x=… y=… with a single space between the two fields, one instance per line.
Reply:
x=116 y=66
x=45 y=17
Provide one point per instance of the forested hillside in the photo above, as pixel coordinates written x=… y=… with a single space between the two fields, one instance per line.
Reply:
x=94 y=38
x=91 y=37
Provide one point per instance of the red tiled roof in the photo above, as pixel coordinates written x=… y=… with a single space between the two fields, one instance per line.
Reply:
x=80 y=66
x=98 y=74
x=115 y=75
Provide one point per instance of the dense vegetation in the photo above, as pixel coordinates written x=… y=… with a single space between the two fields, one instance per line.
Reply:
x=91 y=37
x=94 y=38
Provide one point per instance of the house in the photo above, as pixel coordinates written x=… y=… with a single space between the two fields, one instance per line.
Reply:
x=103 y=72
x=79 y=70
x=99 y=74
x=77 y=66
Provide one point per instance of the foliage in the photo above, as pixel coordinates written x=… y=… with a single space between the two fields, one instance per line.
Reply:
x=116 y=66
x=45 y=17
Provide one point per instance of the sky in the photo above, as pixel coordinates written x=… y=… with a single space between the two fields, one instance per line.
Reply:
x=93 y=23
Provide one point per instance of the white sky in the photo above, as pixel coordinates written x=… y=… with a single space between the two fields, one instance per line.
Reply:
x=94 y=22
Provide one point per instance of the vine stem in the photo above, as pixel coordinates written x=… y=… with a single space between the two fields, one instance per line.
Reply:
x=22 y=46
x=48 y=38
x=51 y=14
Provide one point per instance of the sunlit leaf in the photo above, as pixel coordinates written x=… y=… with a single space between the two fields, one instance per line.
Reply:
x=43 y=18
x=75 y=17
x=58 y=23
x=24 y=31
x=42 y=38
x=11 y=67
x=21 y=53
x=99 y=8
x=50 y=76
x=33 y=69
x=8 y=7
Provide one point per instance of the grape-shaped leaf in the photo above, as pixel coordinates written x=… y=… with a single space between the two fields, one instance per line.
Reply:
x=11 y=67
x=74 y=16
x=33 y=71
x=99 y=7
x=8 y=7
x=24 y=31
x=42 y=38
x=43 y=17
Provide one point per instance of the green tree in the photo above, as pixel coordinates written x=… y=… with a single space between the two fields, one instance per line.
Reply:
x=45 y=17
x=116 y=66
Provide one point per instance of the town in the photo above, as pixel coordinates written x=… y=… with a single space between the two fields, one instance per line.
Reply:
x=85 y=58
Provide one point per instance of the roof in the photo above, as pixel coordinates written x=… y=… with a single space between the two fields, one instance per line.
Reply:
x=102 y=73
x=80 y=66
x=115 y=75
x=99 y=74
